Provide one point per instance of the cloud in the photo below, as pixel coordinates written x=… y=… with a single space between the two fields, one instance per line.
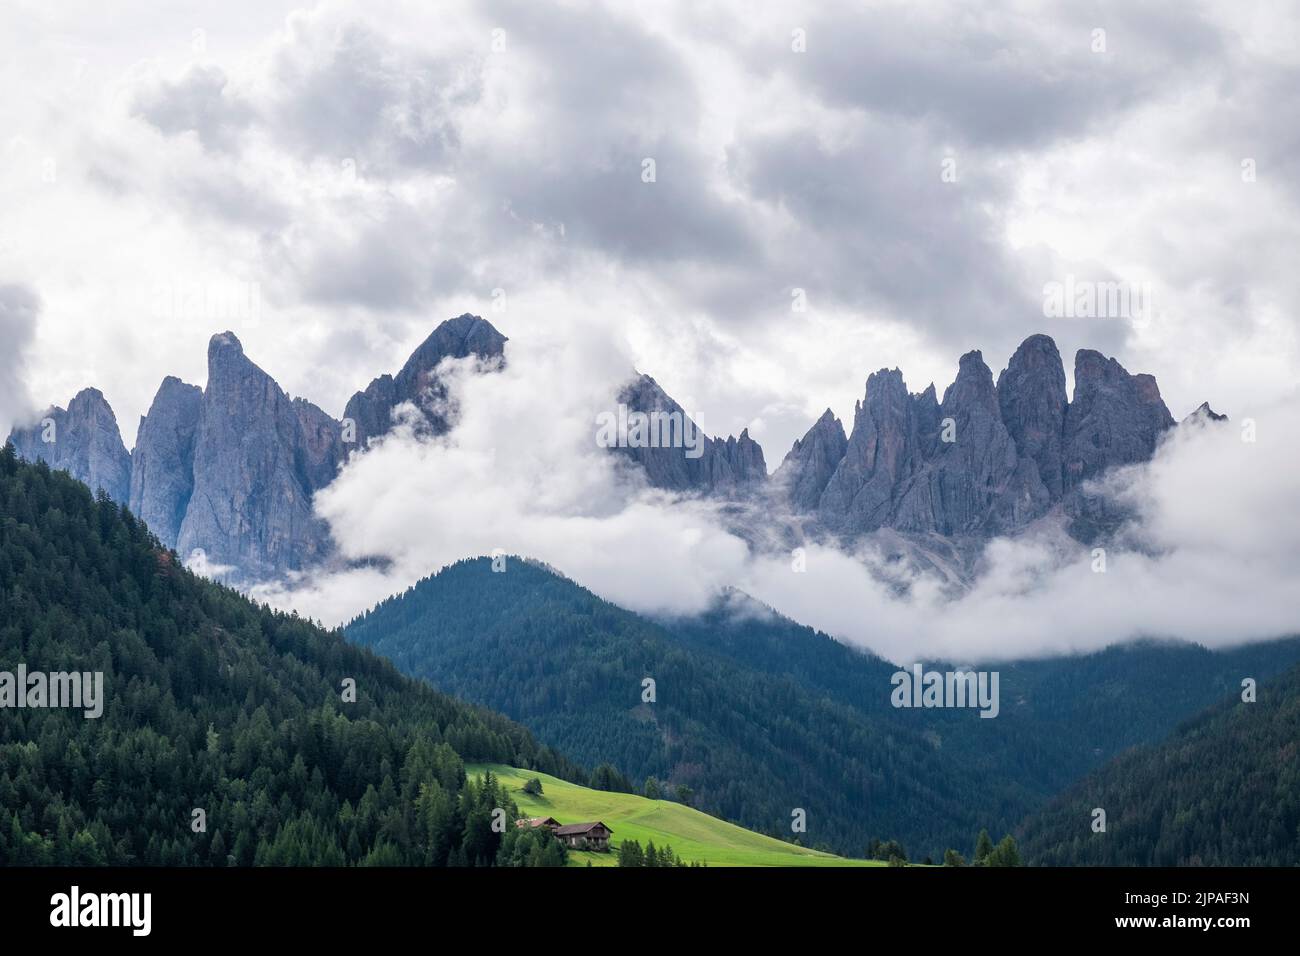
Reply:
x=1211 y=558
x=19 y=310
x=198 y=101
x=521 y=472
x=348 y=90
x=1012 y=77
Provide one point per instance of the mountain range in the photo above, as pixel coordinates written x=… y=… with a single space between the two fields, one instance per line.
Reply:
x=229 y=471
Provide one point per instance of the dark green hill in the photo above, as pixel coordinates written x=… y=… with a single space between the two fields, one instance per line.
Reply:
x=215 y=703
x=570 y=666
x=758 y=715
x=1222 y=790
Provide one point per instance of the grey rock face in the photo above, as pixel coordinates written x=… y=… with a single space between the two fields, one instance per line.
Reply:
x=973 y=483
x=1115 y=418
x=684 y=458
x=231 y=471
x=1017 y=449
x=883 y=452
x=808 y=466
x=1031 y=397
x=258 y=458
x=928 y=416
x=162 y=463
x=82 y=440
x=418 y=381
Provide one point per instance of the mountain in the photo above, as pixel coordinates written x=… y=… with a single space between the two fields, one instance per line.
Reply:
x=1222 y=790
x=1203 y=414
x=258 y=458
x=230 y=470
x=759 y=715
x=211 y=703
x=1032 y=402
x=921 y=467
x=418 y=382
x=753 y=747
x=693 y=461
x=808 y=466
x=1115 y=418
x=82 y=440
x=162 y=462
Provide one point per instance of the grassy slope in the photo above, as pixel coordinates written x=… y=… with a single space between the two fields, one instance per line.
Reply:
x=694 y=836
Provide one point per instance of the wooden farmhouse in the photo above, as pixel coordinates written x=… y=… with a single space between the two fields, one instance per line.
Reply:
x=584 y=836
x=576 y=836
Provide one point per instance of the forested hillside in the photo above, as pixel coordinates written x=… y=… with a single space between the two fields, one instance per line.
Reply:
x=218 y=705
x=1223 y=790
x=1060 y=717
x=758 y=716
x=752 y=747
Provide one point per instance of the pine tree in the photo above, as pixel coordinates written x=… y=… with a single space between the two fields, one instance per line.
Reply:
x=630 y=854
x=1006 y=853
x=983 y=847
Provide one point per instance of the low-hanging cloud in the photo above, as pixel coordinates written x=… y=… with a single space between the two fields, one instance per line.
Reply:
x=1210 y=556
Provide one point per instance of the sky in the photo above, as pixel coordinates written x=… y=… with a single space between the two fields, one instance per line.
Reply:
x=757 y=204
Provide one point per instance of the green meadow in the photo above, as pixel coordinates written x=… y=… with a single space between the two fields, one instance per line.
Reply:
x=694 y=836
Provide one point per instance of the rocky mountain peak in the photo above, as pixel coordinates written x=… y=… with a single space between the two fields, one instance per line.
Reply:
x=883 y=450
x=223 y=342
x=1115 y=418
x=162 y=463
x=418 y=382
x=1203 y=413
x=694 y=461
x=973 y=387
x=808 y=466
x=884 y=387
x=83 y=440
x=1032 y=401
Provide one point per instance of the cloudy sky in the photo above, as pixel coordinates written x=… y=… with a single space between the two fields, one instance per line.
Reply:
x=367 y=172
x=837 y=187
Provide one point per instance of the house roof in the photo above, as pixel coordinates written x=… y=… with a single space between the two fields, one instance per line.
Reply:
x=543 y=821
x=572 y=828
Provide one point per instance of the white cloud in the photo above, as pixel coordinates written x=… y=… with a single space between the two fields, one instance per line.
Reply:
x=19 y=309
